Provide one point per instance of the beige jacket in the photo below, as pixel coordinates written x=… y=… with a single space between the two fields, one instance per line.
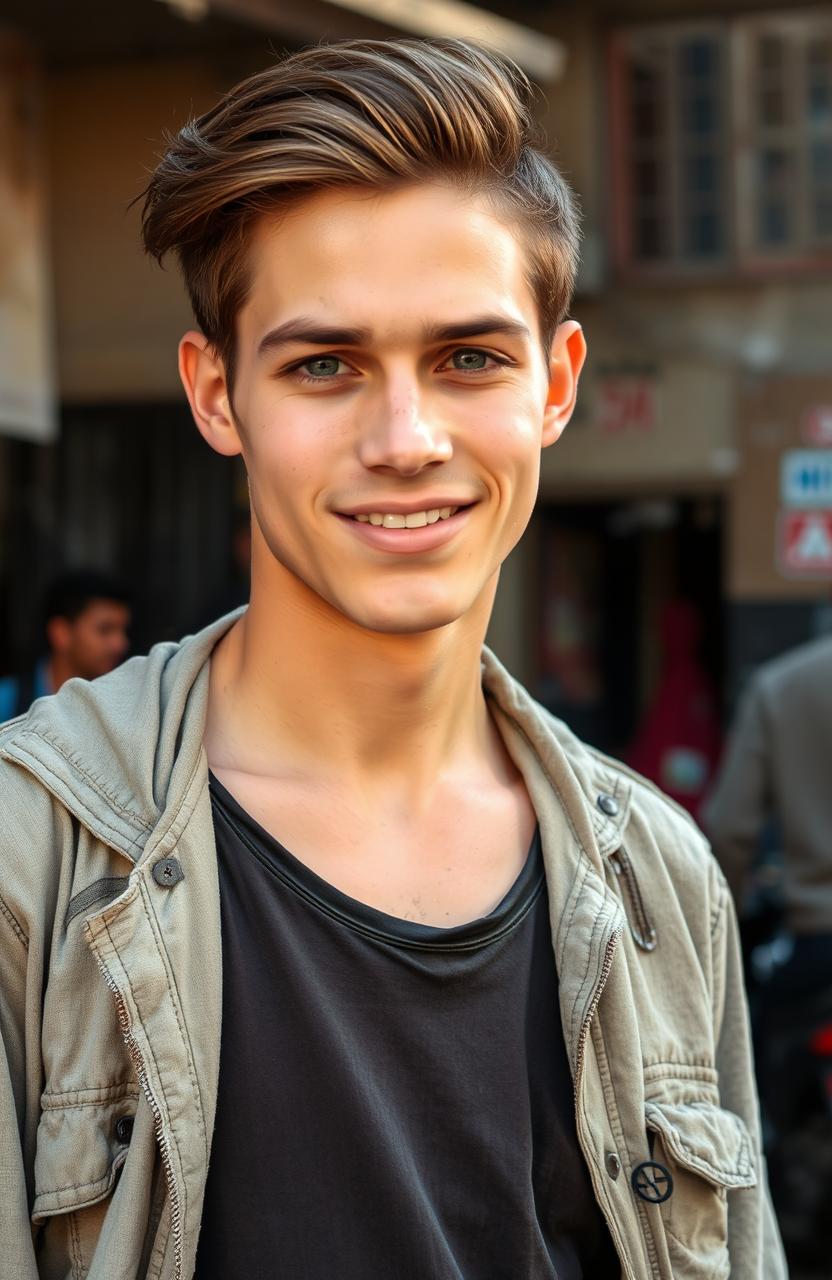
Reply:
x=779 y=764
x=110 y=1001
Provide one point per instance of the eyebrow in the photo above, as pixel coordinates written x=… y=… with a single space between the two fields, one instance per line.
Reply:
x=303 y=329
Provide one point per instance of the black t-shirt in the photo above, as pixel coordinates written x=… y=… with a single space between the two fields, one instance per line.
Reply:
x=395 y=1101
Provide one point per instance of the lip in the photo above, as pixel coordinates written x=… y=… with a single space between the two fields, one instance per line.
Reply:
x=398 y=507
x=408 y=541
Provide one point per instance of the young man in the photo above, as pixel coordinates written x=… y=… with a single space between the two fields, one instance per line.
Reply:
x=86 y=624
x=326 y=951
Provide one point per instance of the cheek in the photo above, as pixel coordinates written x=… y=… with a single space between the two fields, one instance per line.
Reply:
x=277 y=464
x=290 y=445
x=508 y=444
x=86 y=642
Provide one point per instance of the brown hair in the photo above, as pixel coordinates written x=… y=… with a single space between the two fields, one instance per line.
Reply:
x=372 y=113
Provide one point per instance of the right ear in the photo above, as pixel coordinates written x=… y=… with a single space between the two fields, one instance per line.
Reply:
x=203 y=377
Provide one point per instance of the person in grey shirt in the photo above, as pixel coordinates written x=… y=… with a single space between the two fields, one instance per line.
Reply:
x=779 y=764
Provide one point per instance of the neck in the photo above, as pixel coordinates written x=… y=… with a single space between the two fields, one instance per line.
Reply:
x=295 y=684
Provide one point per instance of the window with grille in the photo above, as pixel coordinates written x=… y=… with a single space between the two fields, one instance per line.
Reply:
x=722 y=140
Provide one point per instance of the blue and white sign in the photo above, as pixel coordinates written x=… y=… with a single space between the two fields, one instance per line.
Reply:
x=806 y=478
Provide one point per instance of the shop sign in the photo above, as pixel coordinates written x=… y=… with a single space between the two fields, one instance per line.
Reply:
x=627 y=404
x=806 y=478
x=804 y=543
x=817 y=425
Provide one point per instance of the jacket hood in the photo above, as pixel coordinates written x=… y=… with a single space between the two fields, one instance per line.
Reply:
x=120 y=752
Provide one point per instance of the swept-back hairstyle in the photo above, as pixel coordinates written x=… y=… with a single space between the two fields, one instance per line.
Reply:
x=366 y=113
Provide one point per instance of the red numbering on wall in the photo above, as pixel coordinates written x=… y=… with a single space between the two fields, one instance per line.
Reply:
x=627 y=403
x=817 y=425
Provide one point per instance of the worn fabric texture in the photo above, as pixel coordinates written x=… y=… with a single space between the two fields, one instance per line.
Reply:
x=777 y=764
x=110 y=997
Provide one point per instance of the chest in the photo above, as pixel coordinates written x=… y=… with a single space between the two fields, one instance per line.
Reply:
x=423 y=1070
x=448 y=864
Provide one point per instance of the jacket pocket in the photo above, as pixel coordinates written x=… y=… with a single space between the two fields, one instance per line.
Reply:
x=81 y=1147
x=708 y=1152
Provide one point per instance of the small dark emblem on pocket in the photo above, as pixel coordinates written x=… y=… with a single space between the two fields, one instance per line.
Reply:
x=652 y=1181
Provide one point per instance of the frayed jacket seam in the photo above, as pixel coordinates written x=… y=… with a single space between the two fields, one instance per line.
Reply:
x=695 y=1069
x=14 y=924
x=57 y=1192
x=95 y=822
x=75 y=763
x=93 y=1102
x=49 y=1097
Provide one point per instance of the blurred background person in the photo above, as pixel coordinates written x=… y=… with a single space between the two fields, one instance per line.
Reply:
x=87 y=618
x=775 y=788
x=779 y=765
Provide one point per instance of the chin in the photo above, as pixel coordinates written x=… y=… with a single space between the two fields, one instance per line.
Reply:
x=404 y=621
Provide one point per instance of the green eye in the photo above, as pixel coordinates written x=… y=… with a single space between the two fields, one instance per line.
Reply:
x=469 y=361
x=325 y=367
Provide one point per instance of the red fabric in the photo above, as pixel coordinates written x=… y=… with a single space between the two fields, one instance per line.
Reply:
x=678 y=743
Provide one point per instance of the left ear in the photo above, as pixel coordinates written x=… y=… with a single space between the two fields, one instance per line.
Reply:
x=59 y=633
x=565 y=364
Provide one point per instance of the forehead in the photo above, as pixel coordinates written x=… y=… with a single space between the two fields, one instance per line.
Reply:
x=387 y=260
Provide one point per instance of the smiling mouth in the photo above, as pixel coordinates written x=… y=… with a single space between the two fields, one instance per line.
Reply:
x=413 y=519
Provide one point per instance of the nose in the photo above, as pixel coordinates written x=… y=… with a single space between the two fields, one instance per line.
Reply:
x=401 y=434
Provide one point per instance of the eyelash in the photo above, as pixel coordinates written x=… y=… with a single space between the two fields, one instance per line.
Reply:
x=296 y=371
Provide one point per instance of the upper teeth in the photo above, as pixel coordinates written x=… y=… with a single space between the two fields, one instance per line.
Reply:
x=413 y=520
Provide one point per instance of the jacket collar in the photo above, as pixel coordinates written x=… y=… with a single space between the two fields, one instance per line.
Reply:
x=595 y=792
x=120 y=752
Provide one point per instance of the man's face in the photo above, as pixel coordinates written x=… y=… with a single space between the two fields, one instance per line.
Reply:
x=390 y=370
x=96 y=641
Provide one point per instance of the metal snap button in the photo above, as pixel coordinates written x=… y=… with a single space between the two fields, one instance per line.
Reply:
x=608 y=805
x=613 y=1164
x=652 y=1182
x=124 y=1129
x=168 y=872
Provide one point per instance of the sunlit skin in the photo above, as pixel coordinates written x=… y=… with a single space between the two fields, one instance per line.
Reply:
x=90 y=645
x=389 y=357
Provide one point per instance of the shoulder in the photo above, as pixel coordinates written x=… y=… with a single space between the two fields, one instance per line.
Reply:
x=803 y=666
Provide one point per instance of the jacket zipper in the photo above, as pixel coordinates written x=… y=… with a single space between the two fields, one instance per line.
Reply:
x=644 y=935
x=164 y=1145
x=609 y=953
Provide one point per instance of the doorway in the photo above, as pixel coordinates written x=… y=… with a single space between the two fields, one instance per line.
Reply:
x=608 y=570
